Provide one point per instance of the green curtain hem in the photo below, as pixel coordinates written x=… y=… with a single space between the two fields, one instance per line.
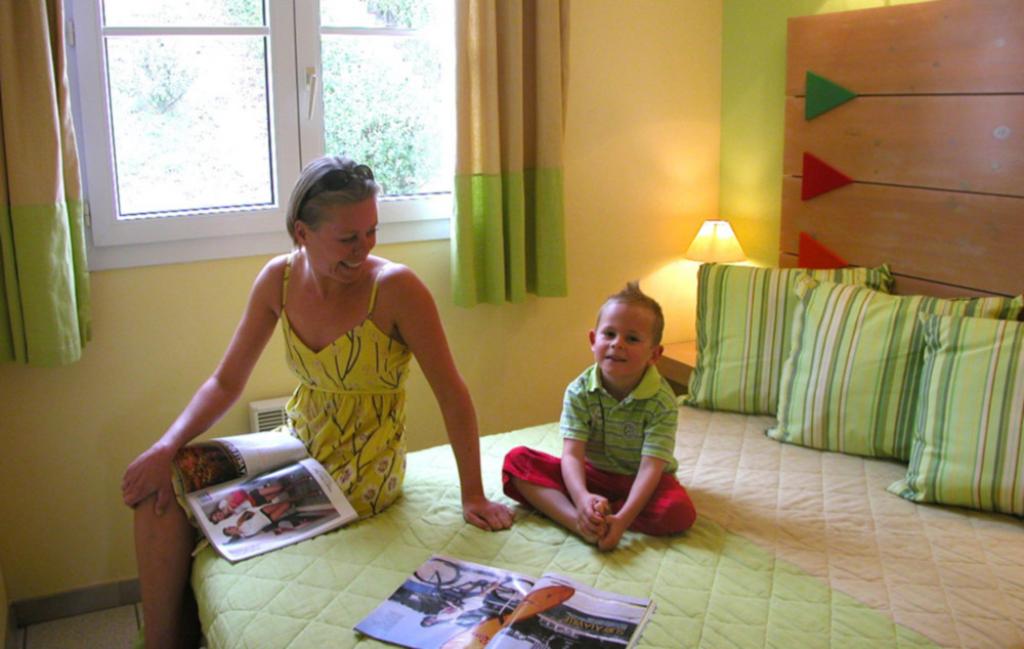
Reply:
x=509 y=237
x=44 y=318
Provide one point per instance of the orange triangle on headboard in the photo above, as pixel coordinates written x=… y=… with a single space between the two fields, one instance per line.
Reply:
x=820 y=177
x=812 y=254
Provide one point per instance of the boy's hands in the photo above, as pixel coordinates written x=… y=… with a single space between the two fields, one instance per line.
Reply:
x=596 y=523
x=591 y=516
x=640 y=493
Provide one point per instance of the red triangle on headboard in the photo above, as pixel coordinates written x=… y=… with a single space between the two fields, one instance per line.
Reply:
x=812 y=254
x=819 y=178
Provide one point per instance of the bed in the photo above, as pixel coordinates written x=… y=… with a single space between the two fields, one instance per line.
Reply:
x=795 y=546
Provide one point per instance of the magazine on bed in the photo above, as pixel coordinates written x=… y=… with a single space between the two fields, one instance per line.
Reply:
x=453 y=604
x=258 y=492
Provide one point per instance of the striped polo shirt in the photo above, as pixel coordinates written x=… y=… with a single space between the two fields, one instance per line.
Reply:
x=619 y=433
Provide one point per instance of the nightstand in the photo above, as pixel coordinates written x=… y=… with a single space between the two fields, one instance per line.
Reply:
x=677 y=363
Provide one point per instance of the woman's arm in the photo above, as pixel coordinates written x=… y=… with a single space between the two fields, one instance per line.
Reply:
x=150 y=472
x=419 y=325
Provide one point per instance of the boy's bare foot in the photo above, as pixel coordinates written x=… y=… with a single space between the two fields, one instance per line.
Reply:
x=596 y=530
x=587 y=536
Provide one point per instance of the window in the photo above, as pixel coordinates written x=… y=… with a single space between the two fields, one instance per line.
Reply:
x=196 y=116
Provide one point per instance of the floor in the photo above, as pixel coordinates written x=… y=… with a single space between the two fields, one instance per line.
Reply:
x=114 y=628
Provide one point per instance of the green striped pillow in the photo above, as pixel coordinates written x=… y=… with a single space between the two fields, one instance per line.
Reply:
x=744 y=318
x=852 y=379
x=968 y=446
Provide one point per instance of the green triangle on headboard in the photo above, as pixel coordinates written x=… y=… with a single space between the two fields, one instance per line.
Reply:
x=823 y=95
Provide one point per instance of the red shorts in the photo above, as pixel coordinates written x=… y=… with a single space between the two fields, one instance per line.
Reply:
x=669 y=510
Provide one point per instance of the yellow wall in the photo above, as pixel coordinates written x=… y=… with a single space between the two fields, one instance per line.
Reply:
x=753 y=91
x=641 y=172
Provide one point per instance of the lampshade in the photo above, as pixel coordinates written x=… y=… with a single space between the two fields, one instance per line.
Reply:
x=715 y=242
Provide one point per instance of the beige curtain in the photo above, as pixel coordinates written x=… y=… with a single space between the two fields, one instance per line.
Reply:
x=44 y=284
x=509 y=233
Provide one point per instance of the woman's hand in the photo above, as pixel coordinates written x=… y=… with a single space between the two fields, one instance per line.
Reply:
x=485 y=514
x=148 y=474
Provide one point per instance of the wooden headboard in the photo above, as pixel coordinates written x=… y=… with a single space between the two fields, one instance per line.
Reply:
x=933 y=142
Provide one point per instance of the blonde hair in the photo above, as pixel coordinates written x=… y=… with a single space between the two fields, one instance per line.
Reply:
x=327 y=181
x=633 y=296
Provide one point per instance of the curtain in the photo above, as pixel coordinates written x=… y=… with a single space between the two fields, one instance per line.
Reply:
x=44 y=283
x=509 y=232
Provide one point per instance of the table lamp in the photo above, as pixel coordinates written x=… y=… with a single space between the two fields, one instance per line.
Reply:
x=715 y=242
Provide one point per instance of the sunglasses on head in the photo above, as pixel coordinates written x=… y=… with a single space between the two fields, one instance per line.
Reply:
x=337 y=180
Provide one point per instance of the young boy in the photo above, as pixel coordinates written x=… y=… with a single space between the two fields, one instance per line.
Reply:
x=618 y=426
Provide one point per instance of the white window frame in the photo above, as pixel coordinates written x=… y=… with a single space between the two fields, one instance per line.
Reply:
x=297 y=135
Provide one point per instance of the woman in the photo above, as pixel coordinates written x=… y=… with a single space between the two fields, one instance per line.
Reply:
x=351 y=322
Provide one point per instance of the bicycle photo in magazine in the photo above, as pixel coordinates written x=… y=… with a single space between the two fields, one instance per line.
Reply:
x=448 y=603
x=258 y=492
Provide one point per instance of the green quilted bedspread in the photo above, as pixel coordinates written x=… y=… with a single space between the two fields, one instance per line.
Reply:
x=713 y=588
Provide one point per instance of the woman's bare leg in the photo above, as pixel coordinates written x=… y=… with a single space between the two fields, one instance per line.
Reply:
x=163 y=552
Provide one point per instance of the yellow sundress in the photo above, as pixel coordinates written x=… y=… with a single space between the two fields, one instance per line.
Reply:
x=349 y=407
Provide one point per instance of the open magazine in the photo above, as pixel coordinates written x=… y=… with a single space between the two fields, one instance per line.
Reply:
x=258 y=492
x=452 y=604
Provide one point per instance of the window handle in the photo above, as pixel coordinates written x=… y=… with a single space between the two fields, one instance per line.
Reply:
x=311 y=80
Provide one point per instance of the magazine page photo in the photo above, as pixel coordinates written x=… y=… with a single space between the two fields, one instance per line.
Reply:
x=221 y=459
x=253 y=515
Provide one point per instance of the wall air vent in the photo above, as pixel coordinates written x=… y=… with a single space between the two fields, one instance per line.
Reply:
x=267 y=414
